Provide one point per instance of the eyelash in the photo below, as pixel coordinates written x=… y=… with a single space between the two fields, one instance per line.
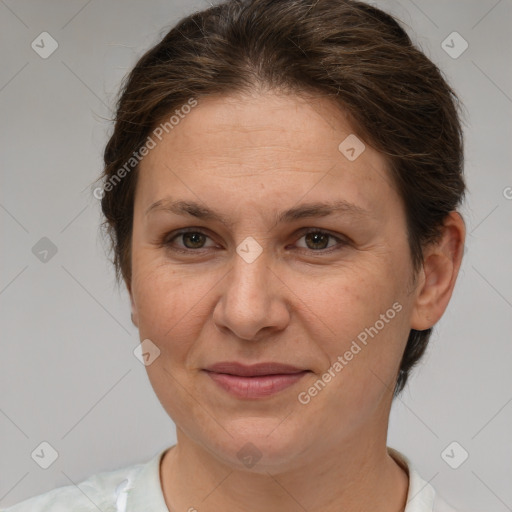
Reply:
x=167 y=241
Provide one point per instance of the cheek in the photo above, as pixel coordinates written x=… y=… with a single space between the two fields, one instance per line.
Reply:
x=354 y=298
x=361 y=317
x=168 y=300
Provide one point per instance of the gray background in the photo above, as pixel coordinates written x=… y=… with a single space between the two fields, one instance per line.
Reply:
x=68 y=375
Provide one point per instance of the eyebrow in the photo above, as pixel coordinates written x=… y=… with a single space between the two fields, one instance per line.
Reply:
x=307 y=210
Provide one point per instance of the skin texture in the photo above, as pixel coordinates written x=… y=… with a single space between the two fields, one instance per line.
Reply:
x=250 y=157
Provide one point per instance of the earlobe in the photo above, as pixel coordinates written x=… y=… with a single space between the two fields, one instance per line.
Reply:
x=134 y=316
x=440 y=269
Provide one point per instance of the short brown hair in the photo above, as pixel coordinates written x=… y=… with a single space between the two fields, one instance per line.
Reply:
x=358 y=56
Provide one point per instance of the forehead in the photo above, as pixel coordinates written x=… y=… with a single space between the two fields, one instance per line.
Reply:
x=268 y=143
x=241 y=123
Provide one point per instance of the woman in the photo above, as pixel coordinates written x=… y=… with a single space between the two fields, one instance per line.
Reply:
x=281 y=192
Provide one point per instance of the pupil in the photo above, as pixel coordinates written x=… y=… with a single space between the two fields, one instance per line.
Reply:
x=196 y=239
x=317 y=239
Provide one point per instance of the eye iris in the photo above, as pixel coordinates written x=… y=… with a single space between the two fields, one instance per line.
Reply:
x=314 y=240
x=317 y=238
x=197 y=240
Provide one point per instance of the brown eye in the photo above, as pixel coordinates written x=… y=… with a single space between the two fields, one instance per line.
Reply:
x=193 y=240
x=188 y=240
x=316 y=240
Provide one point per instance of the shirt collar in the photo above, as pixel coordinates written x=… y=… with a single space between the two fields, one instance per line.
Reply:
x=144 y=490
x=421 y=495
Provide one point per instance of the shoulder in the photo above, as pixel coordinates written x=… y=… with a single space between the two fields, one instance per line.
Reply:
x=101 y=491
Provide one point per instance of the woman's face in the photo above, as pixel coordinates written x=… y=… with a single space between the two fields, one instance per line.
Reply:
x=248 y=284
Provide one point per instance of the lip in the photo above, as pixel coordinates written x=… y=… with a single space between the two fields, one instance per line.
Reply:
x=254 y=370
x=255 y=381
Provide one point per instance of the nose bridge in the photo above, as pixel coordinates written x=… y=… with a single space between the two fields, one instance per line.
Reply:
x=251 y=274
x=250 y=300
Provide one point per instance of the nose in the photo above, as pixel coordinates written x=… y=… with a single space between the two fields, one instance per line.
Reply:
x=253 y=301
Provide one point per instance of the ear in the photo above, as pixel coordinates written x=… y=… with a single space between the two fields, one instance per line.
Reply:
x=436 y=280
x=135 y=317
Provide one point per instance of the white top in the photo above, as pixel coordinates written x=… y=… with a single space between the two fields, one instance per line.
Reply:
x=137 y=488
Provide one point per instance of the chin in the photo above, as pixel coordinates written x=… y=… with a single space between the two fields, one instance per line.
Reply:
x=259 y=445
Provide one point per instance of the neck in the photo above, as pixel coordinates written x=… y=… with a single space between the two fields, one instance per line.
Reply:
x=360 y=475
